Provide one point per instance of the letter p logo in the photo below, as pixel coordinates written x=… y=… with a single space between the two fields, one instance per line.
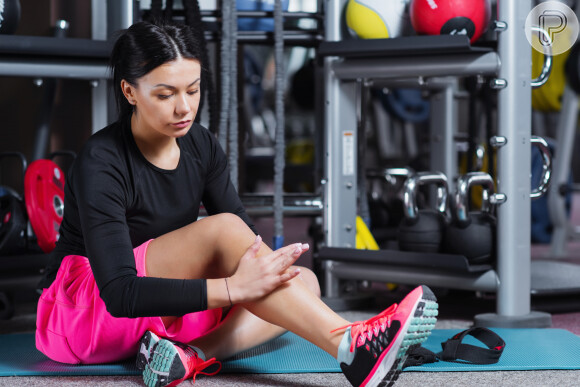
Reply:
x=553 y=22
x=552 y=27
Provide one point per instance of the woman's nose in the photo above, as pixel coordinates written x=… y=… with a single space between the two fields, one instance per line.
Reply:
x=182 y=107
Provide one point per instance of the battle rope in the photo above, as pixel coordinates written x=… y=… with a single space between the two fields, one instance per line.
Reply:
x=280 y=146
x=233 y=107
x=225 y=73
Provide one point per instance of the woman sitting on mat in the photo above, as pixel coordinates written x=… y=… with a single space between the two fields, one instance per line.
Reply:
x=136 y=272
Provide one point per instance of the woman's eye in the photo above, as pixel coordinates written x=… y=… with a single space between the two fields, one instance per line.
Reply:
x=164 y=96
x=192 y=92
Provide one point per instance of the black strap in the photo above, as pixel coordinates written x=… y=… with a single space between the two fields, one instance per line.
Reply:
x=456 y=351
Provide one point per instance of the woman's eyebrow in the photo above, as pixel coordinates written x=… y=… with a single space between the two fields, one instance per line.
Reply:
x=173 y=87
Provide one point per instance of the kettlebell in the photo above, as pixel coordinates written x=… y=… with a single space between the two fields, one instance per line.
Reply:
x=423 y=230
x=472 y=233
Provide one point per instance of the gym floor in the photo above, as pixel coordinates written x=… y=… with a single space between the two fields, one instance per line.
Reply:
x=457 y=309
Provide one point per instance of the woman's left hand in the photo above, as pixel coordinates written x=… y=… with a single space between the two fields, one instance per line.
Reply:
x=258 y=276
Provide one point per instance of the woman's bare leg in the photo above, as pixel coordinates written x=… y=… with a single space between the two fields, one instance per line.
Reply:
x=204 y=250
x=243 y=330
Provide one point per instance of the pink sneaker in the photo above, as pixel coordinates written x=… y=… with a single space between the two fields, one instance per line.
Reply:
x=171 y=363
x=146 y=345
x=373 y=352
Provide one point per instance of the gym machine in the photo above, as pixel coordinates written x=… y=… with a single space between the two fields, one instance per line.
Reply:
x=422 y=59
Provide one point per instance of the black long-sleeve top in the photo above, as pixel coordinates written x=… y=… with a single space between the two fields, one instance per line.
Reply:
x=116 y=200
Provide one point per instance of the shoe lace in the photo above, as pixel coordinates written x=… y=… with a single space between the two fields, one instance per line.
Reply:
x=360 y=331
x=197 y=366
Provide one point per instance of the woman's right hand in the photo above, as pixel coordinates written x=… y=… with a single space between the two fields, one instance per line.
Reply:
x=258 y=276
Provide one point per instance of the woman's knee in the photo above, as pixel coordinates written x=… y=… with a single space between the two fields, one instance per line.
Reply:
x=310 y=280
x=226 y=222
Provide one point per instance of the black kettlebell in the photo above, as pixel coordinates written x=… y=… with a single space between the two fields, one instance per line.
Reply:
x=9 y=16
x=472 y=233
x=423 y=230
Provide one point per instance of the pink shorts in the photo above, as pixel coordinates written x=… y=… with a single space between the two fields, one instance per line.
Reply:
x=73 y=325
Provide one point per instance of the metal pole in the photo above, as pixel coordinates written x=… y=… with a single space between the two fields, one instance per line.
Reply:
x=119 y=15
x=514 y=216
x=340 y=152
x=565 y=143
x=443 y=128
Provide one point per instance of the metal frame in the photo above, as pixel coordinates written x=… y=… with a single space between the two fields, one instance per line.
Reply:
x=512 y=279
x=106 y=17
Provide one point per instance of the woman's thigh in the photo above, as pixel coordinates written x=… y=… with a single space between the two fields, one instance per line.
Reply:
x=208 y=248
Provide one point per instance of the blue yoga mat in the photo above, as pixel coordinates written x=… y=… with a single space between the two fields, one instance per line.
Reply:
x=526 y=349
x=286 y=354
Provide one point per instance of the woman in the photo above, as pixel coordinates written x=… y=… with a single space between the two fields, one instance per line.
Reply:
x=134 y=270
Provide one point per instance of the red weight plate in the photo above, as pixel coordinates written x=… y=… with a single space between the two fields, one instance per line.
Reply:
x=44 y=198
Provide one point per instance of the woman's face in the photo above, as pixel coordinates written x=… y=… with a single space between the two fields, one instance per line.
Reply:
x=167 y=98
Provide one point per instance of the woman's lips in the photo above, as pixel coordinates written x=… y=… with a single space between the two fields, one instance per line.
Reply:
x=182 y=124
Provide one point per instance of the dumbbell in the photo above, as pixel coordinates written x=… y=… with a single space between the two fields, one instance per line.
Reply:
x=423 y=230
x=472 y=233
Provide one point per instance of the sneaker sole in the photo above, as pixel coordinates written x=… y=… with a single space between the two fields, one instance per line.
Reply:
x=415 y=331
x=146 y=344
x=165 y=367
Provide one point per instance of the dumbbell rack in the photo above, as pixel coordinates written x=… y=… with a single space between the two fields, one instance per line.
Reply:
x=437 y=62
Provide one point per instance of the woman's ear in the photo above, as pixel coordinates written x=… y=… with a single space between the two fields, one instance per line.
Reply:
x=128 y=91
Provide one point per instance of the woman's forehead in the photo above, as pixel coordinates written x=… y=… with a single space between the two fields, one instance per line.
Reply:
x=175 y=73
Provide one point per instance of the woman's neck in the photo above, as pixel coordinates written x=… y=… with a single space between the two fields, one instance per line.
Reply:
x=160 y=150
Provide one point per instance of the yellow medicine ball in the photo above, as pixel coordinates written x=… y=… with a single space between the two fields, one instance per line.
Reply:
x=376 y=19
x=548 y=97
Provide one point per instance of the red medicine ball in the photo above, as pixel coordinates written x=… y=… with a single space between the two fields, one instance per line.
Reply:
x=450 y=17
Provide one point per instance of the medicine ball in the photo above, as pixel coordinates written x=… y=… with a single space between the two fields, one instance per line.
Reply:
x=9 y=16
x=377 y=19
x=450 y=17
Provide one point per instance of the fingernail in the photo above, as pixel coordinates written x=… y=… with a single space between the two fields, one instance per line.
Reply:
x=305 y=246
x=298 y=250
x=258 y=239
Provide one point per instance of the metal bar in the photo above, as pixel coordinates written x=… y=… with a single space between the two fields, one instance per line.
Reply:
x=54 y=68
x=98 y=20
x=263 y=205
x=486 y=282
x=120 y=15
x=443 y=127
x=340 y=152
x=514 y=123
x=293 y=37
x=566 y=131
x=420 y=66
x=99 y=91
x=266 y=14
x=100 y=105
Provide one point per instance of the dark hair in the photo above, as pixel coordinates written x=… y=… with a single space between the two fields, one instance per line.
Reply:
x=145 y=46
